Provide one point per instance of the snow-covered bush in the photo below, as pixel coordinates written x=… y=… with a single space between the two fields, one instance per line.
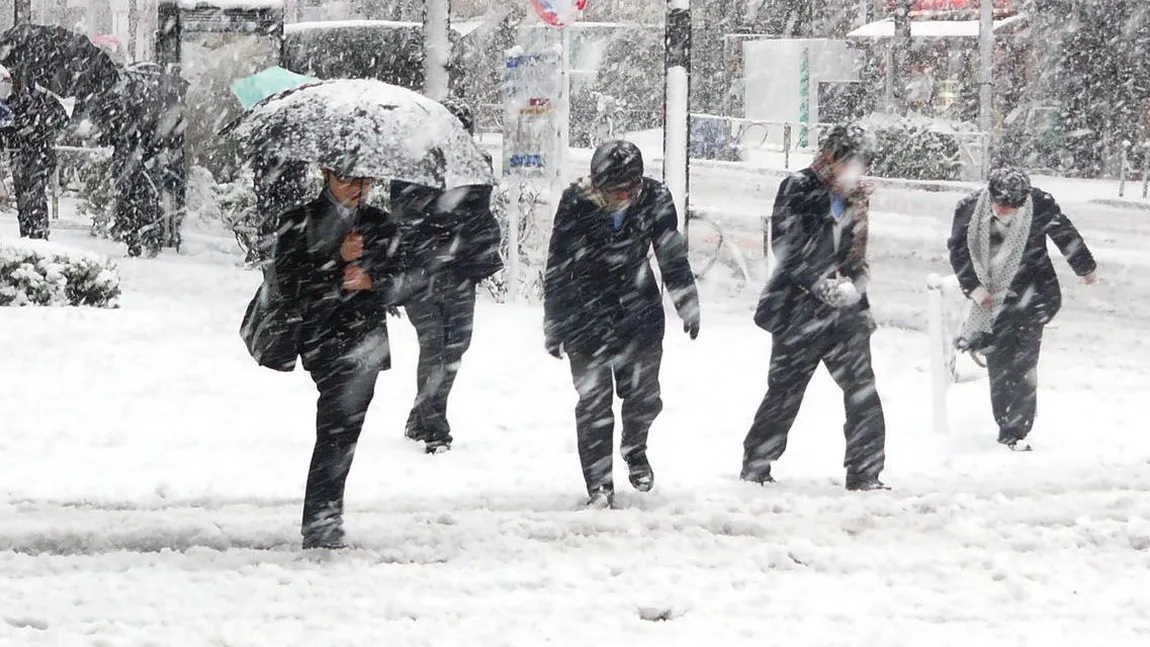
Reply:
x=45 y=274
x=916 y=148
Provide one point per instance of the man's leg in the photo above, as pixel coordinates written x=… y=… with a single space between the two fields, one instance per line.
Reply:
x=1013 y=369
x=426 y=314
x=849 y=362
x=637 y=384
x=594 y=418
x=345 y=393
x=458 y=308
x=30 y=174
x=794 y=360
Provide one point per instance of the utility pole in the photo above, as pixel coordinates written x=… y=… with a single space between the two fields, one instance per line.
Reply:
x=134 y=30
x=677 y=107
x=986 y=82
x=436 y=48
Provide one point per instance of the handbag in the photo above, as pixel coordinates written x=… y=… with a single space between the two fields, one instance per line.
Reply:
x=270 y=331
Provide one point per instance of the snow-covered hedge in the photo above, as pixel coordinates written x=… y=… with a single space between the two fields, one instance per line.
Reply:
x=916 y=148
x=45 y=274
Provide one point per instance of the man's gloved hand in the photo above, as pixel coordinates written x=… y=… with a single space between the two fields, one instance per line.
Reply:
x=838 y=292
x=691 y=317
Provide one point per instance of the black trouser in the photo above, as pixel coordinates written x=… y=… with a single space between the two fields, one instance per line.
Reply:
x=633 y=374
x=345 y=392
x=794 y=359
x=138 y=218
x=443 y=323
x=31 y=171
x=1012 y=364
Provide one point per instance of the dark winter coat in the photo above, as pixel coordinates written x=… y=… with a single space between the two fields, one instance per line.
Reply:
x=38 y=119
x=802 y=238
x=600 y=292
x=454 y=235
x=308 y=278
x=1035 y=295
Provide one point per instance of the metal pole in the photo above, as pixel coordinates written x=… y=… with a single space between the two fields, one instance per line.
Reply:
x=22 y=11
x=897 y=72
x=676 y=107
x=134 y=30
x=514 y=197
x=562 y=124
x=986 y=82
x=436 y=47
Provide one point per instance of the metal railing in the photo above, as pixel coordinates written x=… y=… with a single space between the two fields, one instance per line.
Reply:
x=1127 y=167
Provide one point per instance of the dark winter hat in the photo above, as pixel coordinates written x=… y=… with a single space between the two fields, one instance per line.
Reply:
x=1009 y=186
x=462 y=112
x=616 y=165
x=849 y=141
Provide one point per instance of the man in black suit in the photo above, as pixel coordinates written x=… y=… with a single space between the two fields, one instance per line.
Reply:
x=998 y=251
x=816 y=308
x=603 y=307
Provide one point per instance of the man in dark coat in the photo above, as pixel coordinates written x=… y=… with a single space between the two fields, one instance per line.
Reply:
x=815 y=307
x=603 y=307
x=337 y=270
x=38 y=120
x=456 y=232
x=998 y=251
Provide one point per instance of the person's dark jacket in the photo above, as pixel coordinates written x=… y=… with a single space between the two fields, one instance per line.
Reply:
x=1035 y=294
x=452 y=231
x=38 y=119
x=802 y=238
x=308 y=279
x=600 y=291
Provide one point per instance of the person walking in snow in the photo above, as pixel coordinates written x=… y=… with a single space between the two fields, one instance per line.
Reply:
x=336 y=270
x=816 y=308
x=603 y=308
x=38 y=119
x=457 y=231
x=998 y=251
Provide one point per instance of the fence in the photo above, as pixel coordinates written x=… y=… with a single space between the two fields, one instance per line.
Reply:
x=1127 y=167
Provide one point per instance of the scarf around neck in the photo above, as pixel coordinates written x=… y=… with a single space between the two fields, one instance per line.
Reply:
x=995 y=272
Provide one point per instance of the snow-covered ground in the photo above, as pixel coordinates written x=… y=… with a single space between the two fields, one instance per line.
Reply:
x=151 y=478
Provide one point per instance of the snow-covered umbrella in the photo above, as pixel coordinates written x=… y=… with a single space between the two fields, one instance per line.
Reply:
x=63 y=62
x=365 y=128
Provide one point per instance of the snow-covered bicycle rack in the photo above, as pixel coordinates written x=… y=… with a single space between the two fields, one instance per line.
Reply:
x=736 y=254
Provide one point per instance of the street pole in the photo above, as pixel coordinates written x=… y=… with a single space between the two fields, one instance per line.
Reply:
x=134 y=30
x=676 y=107
x=562 y=124
x=22 y=11
x=436 y=47
x=986 y=82
x=897 y=73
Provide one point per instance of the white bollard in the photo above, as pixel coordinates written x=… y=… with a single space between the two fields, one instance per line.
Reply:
x=939 y=369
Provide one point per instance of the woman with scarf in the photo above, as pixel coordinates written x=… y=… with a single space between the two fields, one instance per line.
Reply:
x=603 y=307
x=816 y=309
x=998 y=251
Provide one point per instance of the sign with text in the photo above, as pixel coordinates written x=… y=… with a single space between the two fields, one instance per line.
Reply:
x=530 y=130
x=957 y=9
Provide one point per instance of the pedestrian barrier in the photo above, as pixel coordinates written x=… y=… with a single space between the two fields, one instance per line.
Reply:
x=55 y=187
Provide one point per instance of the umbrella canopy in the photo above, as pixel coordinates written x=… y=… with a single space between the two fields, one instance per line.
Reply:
x=63 y=62
x=365 y=128
x=250 y=90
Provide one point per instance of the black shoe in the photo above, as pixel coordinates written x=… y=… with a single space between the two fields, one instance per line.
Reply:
x=416 y=434
x=320 y=543
x=438 y=446
x=757 y=473
x=865 y=484
x=602 y=499
x=641 y=475
x=1016 y=444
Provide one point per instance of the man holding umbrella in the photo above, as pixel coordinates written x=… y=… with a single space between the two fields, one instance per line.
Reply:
x=38 y=119
x=337 y=266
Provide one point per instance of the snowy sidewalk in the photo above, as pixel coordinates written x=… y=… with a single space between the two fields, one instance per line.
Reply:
x=151 y=476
